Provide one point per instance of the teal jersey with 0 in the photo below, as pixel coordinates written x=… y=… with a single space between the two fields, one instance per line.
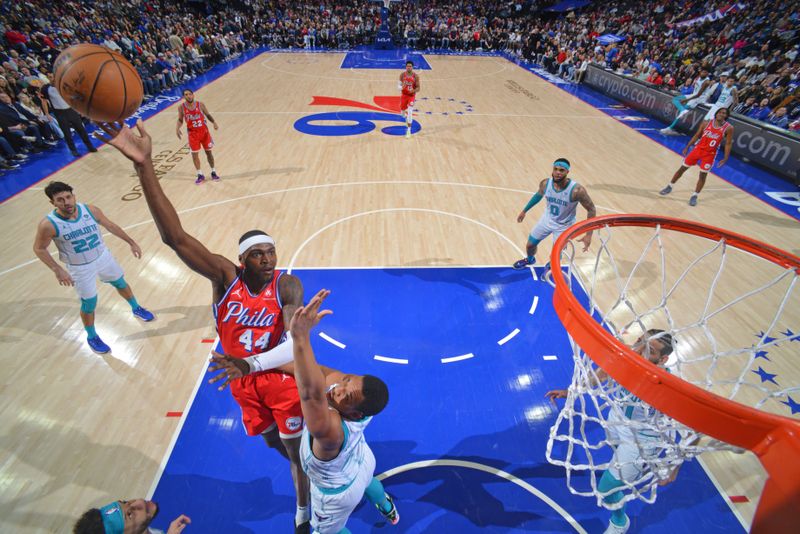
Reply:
x=561 y=209
x=336 y=475
x=78 y=240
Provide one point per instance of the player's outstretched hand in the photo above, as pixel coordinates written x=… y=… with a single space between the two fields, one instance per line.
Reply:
x=179 y=524
x=136 y=148
x=216 y=126
x=232 y=368
x=306 y=317
x=722 y=162
x=64 y=278
x=685 y=150
x=521 y=216
x=556 y=394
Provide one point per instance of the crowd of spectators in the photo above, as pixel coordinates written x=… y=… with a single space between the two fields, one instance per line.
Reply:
x=757 y=43
x=170 y=41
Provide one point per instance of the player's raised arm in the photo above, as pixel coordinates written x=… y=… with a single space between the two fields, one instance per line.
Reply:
x=322 y=423
x=138 y=148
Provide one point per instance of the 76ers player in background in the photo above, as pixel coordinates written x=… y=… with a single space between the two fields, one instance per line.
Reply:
x=711 y=134
x=195 y=113
x=251 y=300
x=409 y=84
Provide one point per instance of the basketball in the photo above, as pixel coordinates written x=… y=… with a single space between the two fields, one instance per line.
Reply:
x=98 y=82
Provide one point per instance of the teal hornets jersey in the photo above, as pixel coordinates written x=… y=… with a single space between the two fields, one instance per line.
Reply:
x=336 y=475
x=78 y=240
x=560 y=209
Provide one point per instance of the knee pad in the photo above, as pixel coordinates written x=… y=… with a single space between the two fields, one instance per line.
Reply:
x=119 y=283
x=89 y=305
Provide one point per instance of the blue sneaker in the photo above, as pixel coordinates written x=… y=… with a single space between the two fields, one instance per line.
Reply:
x=144 y=315
x=521 y=264
x=97 y=345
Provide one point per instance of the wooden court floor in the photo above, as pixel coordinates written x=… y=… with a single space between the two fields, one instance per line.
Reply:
x=79 y=429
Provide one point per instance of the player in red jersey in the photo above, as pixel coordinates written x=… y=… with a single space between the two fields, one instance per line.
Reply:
x=195 y=113
x=409 y=85
x=711 y=134
x=251 y=300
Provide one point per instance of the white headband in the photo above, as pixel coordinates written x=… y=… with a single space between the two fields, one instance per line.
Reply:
x=255 y=240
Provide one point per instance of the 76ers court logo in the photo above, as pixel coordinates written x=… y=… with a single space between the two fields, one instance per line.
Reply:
x=385 y=109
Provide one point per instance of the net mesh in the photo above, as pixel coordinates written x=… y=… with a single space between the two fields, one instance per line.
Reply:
x=734 y=320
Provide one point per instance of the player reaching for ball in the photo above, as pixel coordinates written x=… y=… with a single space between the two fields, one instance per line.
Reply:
x=409 y=85
x=195 y=113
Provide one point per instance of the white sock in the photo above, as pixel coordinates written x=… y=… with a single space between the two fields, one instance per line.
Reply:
x=213 y=170
x=199 y=172
x=301 y=515
x=695 y=194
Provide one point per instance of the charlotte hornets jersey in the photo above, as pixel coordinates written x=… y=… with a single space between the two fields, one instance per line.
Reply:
x=725 y=97
x=561 y=209
x=78 y=240
x=336 y=475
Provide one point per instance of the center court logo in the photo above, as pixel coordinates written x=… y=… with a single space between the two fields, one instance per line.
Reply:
x=384 y=109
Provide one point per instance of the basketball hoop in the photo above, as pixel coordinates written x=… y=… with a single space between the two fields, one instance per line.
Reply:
x=629 y=283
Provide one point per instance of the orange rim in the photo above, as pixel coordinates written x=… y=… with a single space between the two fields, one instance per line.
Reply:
x=773 y=438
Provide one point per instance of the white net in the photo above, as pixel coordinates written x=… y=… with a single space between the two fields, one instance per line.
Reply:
x=734 y=321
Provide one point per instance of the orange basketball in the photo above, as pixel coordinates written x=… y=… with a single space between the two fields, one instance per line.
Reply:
x=98 y=82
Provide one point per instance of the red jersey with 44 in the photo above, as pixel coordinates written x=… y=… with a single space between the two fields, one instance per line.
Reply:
x=248 y=324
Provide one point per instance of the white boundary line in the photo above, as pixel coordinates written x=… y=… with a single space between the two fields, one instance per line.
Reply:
x=533 y=305
x=178 y=429
x=391 y=210
x=390 y=360
x=444 y=462
x=724 y=495
x=508 y=337
x=309 y=187
x=332 y=341
x=458 y=358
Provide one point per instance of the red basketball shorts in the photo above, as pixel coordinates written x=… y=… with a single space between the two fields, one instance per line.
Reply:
x=701 y=158
x=200 y=138
x=267 y=399
x=406 y=101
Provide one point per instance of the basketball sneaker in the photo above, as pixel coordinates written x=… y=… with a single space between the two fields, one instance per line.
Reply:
x=200 y=179
x=143 y=315
x=666 y=191
x=214 y=176
x=303 y=528
x=408 y=133
x=667 y=131
x=521 y=264
x=614 y=529
x=693 y=200
x=392 y=516
x=97 y=345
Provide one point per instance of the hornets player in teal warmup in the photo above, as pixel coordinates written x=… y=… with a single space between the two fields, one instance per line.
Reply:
x=73 y=227
x=563 y=196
